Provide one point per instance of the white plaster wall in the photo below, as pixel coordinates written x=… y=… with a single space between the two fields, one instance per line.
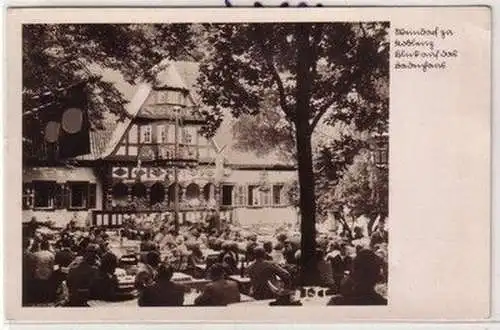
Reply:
x=249 y=176
x=265 y=216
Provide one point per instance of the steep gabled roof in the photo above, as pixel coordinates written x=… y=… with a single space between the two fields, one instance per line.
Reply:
x=168 y=77
x=132 y=109
x=180 y=75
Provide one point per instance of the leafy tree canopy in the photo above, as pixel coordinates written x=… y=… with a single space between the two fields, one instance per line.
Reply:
x=248 y=62
x=58 y=55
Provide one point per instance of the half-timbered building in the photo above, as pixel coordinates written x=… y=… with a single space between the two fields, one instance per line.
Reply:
x=155 y=161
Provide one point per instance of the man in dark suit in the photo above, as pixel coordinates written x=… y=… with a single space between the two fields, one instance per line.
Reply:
x=262 y=271
x=164 y=292
x=220 y=292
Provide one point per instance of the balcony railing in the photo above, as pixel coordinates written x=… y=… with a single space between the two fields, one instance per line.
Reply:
x=115 y=218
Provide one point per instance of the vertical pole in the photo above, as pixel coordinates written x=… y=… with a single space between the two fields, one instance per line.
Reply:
x=176 y=174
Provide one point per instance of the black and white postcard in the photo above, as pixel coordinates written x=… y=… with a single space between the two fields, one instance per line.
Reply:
x=269 y=164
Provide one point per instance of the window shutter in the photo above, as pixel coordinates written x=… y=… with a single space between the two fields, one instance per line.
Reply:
x=249 y=195
x=284 y=200
x=66 y=191
x=244 y=195
x=92 y=196
x=28 y=195
x=236 y=195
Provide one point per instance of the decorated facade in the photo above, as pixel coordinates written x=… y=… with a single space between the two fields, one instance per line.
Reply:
x=156 y=162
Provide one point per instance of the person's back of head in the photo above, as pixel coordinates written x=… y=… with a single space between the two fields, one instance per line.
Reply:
x=253 y=238
x=91 y=253
x=366 y=269
x=259 y=253
x=153 y=258
x=282 y=237
x=45 y=245
x=216 y=272
x=225 y=246
x=165 y=272
x=268 y=247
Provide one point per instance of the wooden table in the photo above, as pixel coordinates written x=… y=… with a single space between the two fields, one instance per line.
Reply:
x=189 y=282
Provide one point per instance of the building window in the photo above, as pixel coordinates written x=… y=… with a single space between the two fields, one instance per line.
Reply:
x=120 y=191
x=381 y=157
x=139 y=190
x=277 y=191
x=187 y=137
x=28 y=195
x=227 y=195
x=44 y=193
x=146 y=134
x=265 y=196
x=162 y=136
x=192 y=192
x=157 y=193
x=78 y=195
x=81 y=195
x=253 y=196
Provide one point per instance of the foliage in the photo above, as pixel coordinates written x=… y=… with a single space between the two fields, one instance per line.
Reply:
x=364 y=188
x=265 y=133
x=247 y=62
x=58 y=55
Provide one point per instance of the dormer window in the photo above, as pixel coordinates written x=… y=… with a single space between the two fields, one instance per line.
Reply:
x=146 y=134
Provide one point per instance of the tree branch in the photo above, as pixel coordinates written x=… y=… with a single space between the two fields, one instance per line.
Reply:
x=363 y=30
x=274 y=73
x=321 y=111
x=318 y=34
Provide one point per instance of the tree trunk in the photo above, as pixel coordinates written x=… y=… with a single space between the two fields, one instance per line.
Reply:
x=307 y=201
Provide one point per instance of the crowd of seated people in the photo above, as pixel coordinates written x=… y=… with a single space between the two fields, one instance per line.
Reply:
x=79 y=265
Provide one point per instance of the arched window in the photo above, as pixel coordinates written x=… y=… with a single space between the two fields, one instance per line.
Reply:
x=209 y=191
x=139 y=190
x=157 y=193
x=192 y=191
x=120 y=190
x=171 y=192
